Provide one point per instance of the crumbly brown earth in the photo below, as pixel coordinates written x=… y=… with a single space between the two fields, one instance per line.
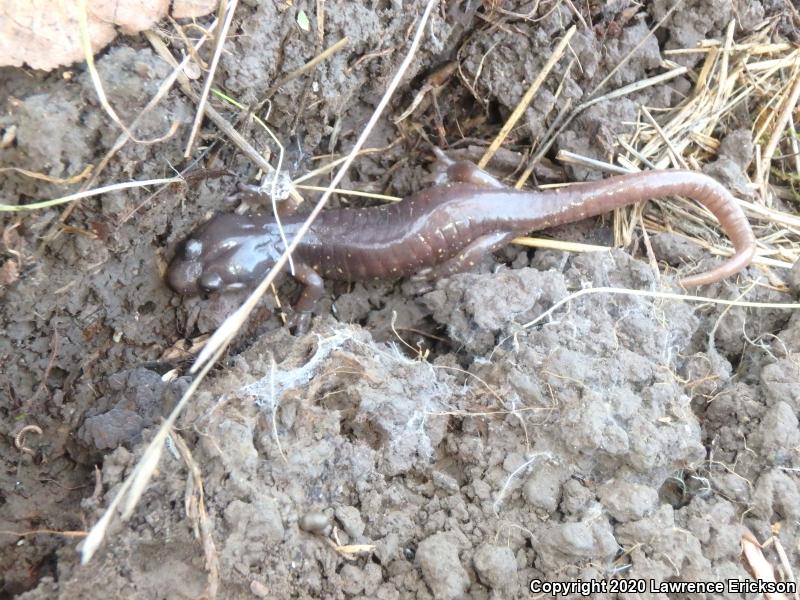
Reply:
x=620 y=437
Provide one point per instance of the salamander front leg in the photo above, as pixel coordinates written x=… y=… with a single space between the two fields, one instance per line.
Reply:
x=258 y=196
x=313 y=288
x=463 y=261
x=462 y=171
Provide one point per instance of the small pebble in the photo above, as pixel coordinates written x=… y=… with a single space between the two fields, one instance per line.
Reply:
x=315 y=522
x=258 y=589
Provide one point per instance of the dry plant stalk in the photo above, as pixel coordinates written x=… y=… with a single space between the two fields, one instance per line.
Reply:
x=762 y=569
x=664 y=295
x=195 y=506
x=519 y=110
x=230 y=9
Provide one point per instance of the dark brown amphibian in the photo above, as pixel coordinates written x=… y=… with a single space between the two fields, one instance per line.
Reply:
x=438 y=231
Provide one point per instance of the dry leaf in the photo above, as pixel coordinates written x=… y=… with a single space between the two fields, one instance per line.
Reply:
x=183 y=9
x=131 y=16
x=44 y=34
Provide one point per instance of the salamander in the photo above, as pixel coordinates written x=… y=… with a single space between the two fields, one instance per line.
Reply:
x=439 y=231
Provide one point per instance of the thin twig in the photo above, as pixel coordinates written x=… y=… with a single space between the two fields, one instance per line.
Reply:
x=221 y=36
x=331 y=50
x=665 y=295
x=633 y=50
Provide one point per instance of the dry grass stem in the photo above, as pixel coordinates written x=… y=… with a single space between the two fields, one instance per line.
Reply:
x=518 y=111
x=789 y=105
x=115 y=187
x=641 y=43
x=751 y=74
x=322 y=56
x=163 y=89
x=87 y=171
x=66 y=534
x=123 y=138
x=83 y=23
x=221 y=35
x=565 y=118
x=195 y=506
x=761 y=567
x=534 y=242
x=133 y=487
x=565 y=156
x=663 y=295
x=341 y=192
x=330 y=166
x=636 y=86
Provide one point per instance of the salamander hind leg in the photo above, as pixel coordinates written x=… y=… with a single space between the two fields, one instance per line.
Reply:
x=462 y=171
x=463 y=261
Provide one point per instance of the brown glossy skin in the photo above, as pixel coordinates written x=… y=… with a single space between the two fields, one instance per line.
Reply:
x=438 y=231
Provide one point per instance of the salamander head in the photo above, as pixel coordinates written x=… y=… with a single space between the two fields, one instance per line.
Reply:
x=229 y=252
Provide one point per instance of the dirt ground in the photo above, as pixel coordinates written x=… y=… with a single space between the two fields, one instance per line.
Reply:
x=622 y=437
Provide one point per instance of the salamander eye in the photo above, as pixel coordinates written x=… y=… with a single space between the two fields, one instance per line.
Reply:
x=211 y=282
x=192 y=249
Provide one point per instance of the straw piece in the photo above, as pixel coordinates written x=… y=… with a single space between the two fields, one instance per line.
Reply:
x=527 y=97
